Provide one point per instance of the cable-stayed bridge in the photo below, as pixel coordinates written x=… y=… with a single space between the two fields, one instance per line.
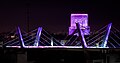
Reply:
x=106 y=37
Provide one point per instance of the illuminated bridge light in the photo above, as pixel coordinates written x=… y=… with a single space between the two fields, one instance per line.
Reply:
x=104 y=44
x=36 y=43
x=54 y=47
x=20 y=36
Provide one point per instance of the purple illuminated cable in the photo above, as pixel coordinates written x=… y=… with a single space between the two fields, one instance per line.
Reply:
x=45 y=40
x=114 y=40
x=74 y=40
x=20 y=36
x=83 y=38
x=106 y=39
x=115 y=35
x=36 y=43
x=52 y=37
x=83 y=41
x=111 y=44
x=106 y=36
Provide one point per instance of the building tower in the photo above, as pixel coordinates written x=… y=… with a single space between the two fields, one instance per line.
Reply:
x=82 y=19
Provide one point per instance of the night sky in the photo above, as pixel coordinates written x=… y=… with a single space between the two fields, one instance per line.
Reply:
x=54 y=15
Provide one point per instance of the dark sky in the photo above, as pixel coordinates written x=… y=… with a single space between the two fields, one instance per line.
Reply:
x=54 y=15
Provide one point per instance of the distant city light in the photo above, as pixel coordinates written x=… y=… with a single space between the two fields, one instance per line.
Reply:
x=12 y=36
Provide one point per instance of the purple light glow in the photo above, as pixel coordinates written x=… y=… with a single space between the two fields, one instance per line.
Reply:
x=80 y=32
x=38 y=36
x=82 y=19
x=83 y=38
x=106 y=35
x=20 y=35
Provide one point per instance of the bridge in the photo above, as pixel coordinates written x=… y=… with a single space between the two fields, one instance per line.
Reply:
x=79 y=36
x=78 y=43
x=106 y=37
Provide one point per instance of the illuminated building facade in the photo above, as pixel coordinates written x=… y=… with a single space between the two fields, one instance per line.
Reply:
x=82 y=19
